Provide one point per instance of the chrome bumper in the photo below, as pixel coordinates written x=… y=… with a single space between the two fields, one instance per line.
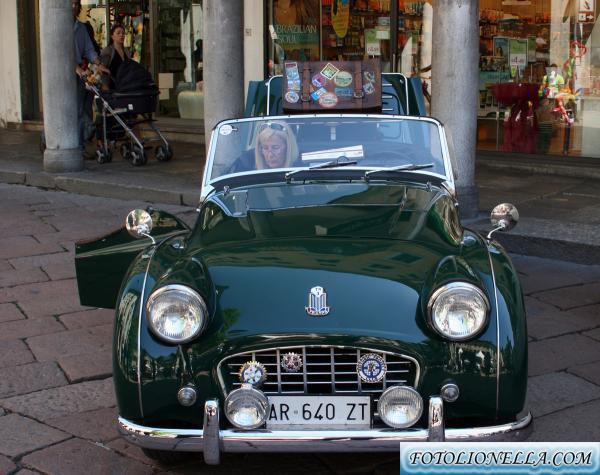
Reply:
x=212 y=441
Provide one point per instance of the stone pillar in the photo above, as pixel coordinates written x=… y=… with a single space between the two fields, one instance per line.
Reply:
x=455 y=88
x=223 y=62
x=59 y=87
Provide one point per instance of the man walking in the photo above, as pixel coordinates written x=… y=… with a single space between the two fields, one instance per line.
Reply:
x=84 y=54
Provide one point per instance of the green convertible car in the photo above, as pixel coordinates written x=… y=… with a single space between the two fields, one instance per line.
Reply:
x=327 y=298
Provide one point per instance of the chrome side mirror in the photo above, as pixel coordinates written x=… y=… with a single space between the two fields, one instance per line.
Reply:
x=139 y=223
x=504 y=217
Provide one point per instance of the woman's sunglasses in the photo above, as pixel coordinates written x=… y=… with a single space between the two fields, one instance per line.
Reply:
x=271 y=125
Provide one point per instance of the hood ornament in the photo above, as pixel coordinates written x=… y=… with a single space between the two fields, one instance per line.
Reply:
x=291 y=362
x=371 y=368
x=317 y=302
x=253 y=372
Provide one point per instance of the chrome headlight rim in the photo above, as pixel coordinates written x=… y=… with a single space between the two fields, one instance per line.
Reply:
x=186 y=290
x=454 y=286
x=396 y=388
x=249 y=391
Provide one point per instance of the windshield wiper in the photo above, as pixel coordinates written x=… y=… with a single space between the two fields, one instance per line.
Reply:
x=409 y=167
x=341 y=161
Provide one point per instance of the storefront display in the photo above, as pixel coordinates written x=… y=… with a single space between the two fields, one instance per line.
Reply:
x=537 y=71
x=539 y=60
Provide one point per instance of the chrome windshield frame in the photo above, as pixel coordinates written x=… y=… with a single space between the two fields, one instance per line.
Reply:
x=207 y=187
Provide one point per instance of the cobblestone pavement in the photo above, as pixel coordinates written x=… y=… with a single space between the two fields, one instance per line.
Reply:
x=57 y=407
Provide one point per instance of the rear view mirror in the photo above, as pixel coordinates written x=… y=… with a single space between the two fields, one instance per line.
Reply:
x=138 y=223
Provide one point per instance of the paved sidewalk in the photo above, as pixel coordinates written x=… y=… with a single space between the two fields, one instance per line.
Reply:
x=560 y=214
x=57 y=406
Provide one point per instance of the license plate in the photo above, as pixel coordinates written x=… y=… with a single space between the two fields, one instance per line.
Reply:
x=319 y=411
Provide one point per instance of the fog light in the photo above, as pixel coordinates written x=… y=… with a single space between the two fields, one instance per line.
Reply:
x=400 y=406
x=449 y=392
x=186 y=396
x=246 y=407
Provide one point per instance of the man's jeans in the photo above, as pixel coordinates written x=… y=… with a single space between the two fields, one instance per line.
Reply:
x=84 y=113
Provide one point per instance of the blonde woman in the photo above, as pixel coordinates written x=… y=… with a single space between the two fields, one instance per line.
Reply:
x=276 y=146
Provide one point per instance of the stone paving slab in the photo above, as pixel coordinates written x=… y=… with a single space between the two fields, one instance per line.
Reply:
x=595 y=334
x=4 y=265
x=29 y=378
x=556 y=354
x=18 y=246
x=72 y=343
x=576 y=424
x=29 y=327
x=43 y=260
x=87 y=366
x=14 y=353
x=27 y=228
x=589 y=372
x=20 y=435
x=572 y=297
x=10 y=312
x=58 y=402
x=98 y=426
x=123 y=447
x=545 y=320
x=44 y=299
x=6 y=465
x=553 y=392
x=75 y=457
x=30 y=276
x=60 y=271
x=539 y=274
x=88 y=318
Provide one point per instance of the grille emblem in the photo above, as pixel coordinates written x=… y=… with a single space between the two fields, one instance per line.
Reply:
x=371 y=368
x=317 y=302
x=291 y=362
x=253 y=372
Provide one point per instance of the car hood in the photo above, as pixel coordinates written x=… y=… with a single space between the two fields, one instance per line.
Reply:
x=378 y=262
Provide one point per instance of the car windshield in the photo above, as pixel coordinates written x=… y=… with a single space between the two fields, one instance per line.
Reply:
x=256 y=146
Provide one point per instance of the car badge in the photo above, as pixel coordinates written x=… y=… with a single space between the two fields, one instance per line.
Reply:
x=291 y=362
x=253 y=372
x=371 y=368
x=317 y=302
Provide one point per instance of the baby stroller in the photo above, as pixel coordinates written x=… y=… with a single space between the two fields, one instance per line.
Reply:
x=131 y=103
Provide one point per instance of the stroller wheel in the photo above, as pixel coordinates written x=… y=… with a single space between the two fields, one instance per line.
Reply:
x=138 y=156
x=125 y=150
x=103 y=155
x=163 y=153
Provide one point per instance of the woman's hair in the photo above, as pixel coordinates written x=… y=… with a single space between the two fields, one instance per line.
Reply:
x=276 y=129
x=114 y=28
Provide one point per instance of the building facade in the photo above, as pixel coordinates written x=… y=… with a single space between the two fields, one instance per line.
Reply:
x=539 y=60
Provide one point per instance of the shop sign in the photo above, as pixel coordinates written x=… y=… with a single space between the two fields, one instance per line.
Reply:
x=297 y=34
x=372 y=45
x=340 y=17
x=586 y=10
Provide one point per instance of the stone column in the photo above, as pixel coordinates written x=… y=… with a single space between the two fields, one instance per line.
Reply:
x=223 y=61
x=59 y=87
x=455 y=88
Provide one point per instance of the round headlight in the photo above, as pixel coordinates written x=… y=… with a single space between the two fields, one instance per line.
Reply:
x=400 y=406
x=176 y=313
x=458 y=311
x=246 y=407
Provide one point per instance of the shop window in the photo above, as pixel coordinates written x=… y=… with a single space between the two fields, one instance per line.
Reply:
x=178 y=55
x=539 y=80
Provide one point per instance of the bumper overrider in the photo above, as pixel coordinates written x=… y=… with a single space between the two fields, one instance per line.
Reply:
x=212 y=441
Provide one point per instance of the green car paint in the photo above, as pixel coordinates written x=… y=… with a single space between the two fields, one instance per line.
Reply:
x=380 y=249
x=101 y=263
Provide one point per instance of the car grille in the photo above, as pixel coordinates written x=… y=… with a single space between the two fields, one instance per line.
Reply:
x=326 y=370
